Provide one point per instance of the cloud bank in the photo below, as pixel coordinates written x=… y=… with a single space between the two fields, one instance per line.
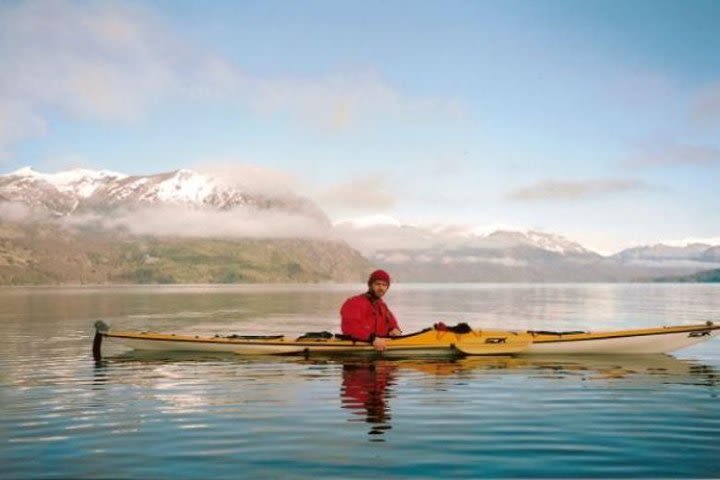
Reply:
x=176 y=221
x=14 y=211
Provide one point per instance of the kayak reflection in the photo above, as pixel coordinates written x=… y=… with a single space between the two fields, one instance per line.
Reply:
x=366 y=390
x=378 y=375
x=660 y=368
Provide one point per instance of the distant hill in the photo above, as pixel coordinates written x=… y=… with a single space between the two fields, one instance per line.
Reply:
x=708 y=276
x=37 y=254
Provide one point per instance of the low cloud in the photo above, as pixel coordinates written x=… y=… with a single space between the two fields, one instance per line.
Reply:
x=371 y=238
x=575 y=190
x=692 y=240
x=673 y=154
x=207 y=223
x=13 y=211
x=425 y=256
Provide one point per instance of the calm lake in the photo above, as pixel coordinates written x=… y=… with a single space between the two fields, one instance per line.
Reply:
x=203 y=416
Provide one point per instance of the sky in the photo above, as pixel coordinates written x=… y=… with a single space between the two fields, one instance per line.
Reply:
x=595 y=120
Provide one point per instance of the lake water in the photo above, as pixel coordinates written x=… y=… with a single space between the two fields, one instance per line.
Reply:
x=223 y=416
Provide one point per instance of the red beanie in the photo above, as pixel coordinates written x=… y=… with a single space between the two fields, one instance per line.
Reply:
x=379 y=275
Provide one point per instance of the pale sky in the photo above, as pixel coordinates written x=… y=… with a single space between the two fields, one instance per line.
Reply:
x=598 y=121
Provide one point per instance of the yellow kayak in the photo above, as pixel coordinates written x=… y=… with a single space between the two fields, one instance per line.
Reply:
x=431 y=341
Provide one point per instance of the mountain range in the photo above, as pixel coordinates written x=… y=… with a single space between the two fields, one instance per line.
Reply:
x=183 y=215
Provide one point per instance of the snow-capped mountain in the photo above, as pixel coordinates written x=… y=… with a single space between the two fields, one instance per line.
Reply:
x=491 y=252
x=82 y=190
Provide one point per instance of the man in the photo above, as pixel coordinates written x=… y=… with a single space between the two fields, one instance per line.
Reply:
x=366 y=317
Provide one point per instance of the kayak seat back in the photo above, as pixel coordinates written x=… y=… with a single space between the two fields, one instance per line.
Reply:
x=316 y=336
x=461 y=327
x=340 y=336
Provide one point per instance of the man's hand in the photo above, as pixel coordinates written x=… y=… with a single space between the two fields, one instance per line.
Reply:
x=379 y=343
x=395 y=332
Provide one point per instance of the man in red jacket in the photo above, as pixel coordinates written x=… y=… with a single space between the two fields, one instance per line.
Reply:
x=366 y=317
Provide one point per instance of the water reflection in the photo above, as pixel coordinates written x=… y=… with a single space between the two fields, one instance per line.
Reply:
x=99 y=377
x=366 y=390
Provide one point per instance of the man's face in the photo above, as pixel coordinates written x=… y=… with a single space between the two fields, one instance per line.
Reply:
x=379 y=287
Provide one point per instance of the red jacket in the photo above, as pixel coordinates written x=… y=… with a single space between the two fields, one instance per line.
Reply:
x=364 y=319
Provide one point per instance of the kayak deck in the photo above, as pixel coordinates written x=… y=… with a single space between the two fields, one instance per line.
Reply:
x=431 y=341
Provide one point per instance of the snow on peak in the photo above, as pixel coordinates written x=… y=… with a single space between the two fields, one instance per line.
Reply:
x=555 y=243
x=186 y=186
x=545 y=241
x=487 y=230
x=74 y=173
x=504 y=235
x=79 y=181
x=180 y=186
